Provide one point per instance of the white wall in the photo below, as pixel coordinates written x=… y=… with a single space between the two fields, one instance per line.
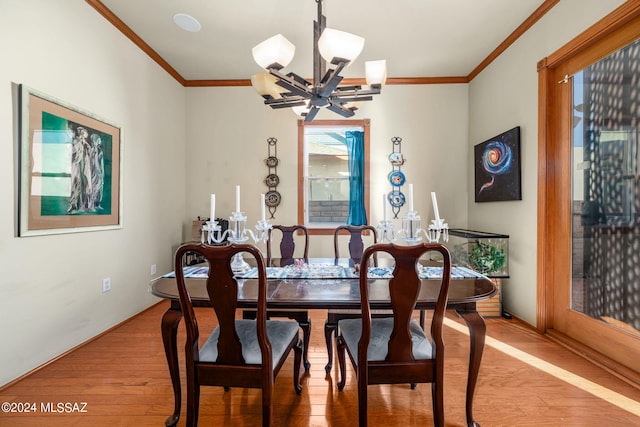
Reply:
x=50 y=290
x=227 y=131
x=505 y=95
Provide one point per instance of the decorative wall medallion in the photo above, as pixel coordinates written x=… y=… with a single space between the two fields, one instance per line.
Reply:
x=396 y=199
x=272 y=180
x=271 y=161
x=396 y=178
x=272 y=198
x=396 y=159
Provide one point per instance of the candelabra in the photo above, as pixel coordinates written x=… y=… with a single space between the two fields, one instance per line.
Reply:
x=386 y=232
x=411 y=229
x=237 y=233
x=437 y=229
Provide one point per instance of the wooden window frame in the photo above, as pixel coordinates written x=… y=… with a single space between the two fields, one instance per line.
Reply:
x=365 y=124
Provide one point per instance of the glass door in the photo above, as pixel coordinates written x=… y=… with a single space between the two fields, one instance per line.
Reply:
x=605 y=242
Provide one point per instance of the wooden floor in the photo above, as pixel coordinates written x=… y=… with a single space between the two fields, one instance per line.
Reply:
x=525 y=380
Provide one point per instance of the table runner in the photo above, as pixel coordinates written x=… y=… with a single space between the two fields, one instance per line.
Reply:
x=326 y=271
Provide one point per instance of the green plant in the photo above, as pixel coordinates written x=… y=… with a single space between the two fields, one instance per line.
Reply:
x=479 y=256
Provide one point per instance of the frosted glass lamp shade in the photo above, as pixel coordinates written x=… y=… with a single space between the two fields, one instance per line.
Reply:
x=265 y=85
x=275 y=52
x=301 y=109
x=337 y=46
x=376 y=72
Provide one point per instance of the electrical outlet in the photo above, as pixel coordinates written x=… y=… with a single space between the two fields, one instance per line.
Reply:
x=154 y=269
x=106 y=284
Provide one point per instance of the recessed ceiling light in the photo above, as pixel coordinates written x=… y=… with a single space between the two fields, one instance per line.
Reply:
x=187 y=22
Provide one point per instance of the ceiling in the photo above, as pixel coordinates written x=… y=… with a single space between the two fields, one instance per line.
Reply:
x=418 y=38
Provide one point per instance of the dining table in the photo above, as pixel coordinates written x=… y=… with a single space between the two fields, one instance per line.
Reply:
x=322 y=283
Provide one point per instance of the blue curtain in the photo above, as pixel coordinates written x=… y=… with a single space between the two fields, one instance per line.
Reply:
x=355 y=148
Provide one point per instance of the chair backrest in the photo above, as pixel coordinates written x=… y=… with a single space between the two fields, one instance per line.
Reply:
x=288 y=243
x=404 y=291
x=222 y=289
x=356 y=242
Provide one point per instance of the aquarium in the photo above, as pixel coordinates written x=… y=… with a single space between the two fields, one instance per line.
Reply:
x=486 y=253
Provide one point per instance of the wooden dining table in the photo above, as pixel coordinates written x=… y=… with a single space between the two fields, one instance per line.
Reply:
x=300 y=292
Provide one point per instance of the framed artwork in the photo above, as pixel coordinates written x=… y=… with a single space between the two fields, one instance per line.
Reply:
x=70 y=168
x=497 y=168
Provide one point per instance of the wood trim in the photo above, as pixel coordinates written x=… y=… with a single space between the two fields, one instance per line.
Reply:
x=515 y=35
x=128 y=32
x=77 y=347
x=626 y=15
x=349 y=81
x=301 y=173
x=554 y=316
x=599 y=359
x=366 y=124
x=217 y=83
x=621 y=16
x=544 y=294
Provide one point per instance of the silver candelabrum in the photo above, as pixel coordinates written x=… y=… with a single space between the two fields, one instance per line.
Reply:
x=236 y=233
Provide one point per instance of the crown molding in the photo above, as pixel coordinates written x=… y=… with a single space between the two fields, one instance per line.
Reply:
x=517 y=33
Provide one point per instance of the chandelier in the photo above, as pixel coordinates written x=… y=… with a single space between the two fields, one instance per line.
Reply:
x=330 y=46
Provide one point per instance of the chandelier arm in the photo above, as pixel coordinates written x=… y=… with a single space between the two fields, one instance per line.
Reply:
x=285 y=103
x=356 y=92
x=339 y=109
x=331 y=80
x=311 y=114
x=344 y=100
x=292 y=82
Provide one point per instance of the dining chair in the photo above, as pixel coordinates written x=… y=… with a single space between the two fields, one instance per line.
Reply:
x=288 y=243
x=287 y=257
x=239 y=352
x=397 y=349
x=288 y=254
x=356 y=244
x=356 y=241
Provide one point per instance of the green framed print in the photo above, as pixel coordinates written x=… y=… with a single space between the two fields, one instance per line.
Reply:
x=69 y=160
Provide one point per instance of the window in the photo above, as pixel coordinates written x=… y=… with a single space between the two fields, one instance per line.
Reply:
x=333 y=174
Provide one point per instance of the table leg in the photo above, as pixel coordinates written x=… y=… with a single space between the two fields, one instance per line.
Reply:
x=169 y=326
x=477 y=333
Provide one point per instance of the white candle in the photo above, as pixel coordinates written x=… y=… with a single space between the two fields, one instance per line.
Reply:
x=237 y=198
x=384 y=206
x=411 y=197
x=212 y=212
x=262 y=207
x=435 y=205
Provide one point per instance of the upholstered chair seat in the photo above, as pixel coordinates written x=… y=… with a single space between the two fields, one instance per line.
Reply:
x=280 y=334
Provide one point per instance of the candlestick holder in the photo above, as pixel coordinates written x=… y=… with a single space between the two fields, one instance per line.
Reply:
x=237 y=233
x=411 y=229
x=437 y=229
x=386 y=232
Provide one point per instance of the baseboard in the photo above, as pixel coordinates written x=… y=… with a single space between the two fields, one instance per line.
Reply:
x=614 y=368
x=71 y=350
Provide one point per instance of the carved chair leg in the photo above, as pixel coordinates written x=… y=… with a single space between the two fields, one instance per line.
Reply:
x=267 y=390
x=341 y=363
x=329 y=331
x=193 y=404
x=297 y=361
x=437 y=396
x=306 y=331
x=362 y=400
